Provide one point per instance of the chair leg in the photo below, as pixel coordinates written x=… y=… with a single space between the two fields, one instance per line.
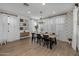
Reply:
x=37 y=40
x=47 y=44
x=44 y=43
x=32 y=39
x=55 y=41
x=51 y=43
x=40 y=42
x=5 y=43
x=1 y=43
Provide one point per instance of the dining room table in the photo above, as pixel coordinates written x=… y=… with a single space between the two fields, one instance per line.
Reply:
x=51 y=40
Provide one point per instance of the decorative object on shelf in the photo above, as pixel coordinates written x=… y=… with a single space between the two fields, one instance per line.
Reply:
x=21 y=28
x=21 y=20
x=24 y=24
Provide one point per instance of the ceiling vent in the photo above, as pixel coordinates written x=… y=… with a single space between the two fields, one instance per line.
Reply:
x=26 y=4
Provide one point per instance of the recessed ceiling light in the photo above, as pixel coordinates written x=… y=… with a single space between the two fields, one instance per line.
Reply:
x=26 y=4
x=43 y=3
x=29 y=12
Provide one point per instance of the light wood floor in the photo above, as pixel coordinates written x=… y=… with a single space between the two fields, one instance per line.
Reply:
x=26 y=48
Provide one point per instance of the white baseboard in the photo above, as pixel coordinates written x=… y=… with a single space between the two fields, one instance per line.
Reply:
x=12 y=40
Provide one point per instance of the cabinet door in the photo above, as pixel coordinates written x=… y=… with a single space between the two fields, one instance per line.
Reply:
x=11 y=29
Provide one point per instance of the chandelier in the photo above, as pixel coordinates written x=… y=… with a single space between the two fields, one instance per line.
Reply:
x=41 y=18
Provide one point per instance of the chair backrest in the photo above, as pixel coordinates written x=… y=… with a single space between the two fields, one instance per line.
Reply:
x=39 y=36
x=45 y=36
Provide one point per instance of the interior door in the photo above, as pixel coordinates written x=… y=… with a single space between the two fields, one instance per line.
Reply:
x=11 y=29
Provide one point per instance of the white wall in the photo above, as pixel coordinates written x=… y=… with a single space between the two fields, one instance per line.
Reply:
x=4 y=34
x=69 y=25
x=3 y=27
x=32 y=24
x=56 y=25
x=78 y=30
x=74 y=40
x=78 y=36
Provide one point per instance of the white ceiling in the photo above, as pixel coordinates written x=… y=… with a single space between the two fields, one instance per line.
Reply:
x=49 y=9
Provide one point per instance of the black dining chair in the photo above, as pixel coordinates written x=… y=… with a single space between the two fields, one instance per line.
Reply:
x=51 y=42
x=39 y=38
x=46 y=40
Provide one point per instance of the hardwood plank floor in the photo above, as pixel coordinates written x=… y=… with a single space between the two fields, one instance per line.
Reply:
x=26 y=48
